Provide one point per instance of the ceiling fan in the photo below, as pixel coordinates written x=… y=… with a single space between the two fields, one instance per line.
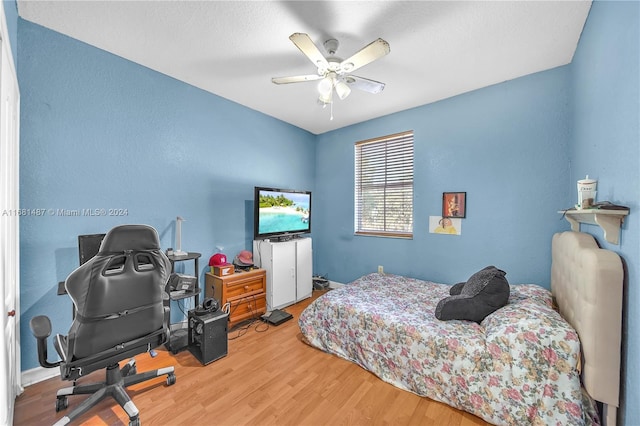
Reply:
x=333 y=72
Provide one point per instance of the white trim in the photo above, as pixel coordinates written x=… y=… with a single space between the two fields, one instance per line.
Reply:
x=335 y=284
x=38 y=374
x=10 y=385
x=4 y=31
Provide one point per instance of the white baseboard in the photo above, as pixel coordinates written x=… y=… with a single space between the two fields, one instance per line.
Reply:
x=38 y=374
x=335 y=284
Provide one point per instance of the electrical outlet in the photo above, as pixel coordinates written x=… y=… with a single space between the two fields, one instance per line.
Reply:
x=380 y=269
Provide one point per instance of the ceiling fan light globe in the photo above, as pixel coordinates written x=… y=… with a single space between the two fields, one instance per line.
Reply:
x=325 y=86
x=342 y=89
x=325 y=98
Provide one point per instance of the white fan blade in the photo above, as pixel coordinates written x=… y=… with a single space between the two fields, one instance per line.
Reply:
x=296 y=79
x=374 y=50
x=364 y=84
x=310 y=50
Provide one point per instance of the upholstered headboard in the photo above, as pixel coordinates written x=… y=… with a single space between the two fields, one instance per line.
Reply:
x=587 y=283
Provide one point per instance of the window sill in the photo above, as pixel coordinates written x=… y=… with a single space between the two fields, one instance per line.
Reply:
x=384 y=234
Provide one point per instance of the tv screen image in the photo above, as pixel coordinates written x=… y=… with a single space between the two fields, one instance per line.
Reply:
x=280 y=212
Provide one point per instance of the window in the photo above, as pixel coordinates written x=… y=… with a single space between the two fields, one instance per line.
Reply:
x=384 y=186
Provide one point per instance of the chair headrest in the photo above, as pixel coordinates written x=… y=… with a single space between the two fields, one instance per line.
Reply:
x=130 y=237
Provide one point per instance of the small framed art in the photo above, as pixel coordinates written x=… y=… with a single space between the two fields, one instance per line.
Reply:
x=454 y=204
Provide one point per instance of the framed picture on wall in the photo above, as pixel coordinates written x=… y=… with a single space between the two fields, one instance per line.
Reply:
x=454 y=204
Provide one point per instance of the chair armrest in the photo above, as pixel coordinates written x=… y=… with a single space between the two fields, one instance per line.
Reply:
x=41 y=328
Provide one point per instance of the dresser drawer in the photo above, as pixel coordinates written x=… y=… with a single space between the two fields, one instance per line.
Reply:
x=245 y=292
x=247 y=307
x=235 y=285
x=242 y=288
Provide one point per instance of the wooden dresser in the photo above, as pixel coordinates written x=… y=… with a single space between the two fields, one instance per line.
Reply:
x=245 y=292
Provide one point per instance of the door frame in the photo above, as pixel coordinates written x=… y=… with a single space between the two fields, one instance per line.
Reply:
x=10 y=377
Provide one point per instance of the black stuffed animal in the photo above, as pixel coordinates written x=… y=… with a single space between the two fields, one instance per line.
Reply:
x=485 y=292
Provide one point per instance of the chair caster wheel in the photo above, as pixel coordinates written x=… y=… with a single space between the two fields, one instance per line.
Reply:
x=171 y=379
x=62 y=402
x=134 y=422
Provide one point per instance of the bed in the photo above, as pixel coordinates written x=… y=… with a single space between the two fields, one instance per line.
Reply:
x=520 y=365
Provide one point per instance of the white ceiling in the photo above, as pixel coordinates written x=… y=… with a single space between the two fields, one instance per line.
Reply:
x=439 y=49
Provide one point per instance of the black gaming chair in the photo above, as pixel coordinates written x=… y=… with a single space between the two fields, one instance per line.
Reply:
x=118 y=296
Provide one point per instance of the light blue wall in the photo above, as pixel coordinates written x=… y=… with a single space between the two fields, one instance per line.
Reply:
x=518 y=149
x=98 y=131
x=606 y=145
x=505 y=145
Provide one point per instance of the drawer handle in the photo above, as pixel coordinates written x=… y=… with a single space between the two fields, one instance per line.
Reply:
x=246 y=287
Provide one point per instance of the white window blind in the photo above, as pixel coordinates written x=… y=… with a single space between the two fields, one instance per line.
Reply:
x=384 y=186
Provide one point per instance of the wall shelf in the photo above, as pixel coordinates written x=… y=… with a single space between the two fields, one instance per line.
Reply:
x=609 y=220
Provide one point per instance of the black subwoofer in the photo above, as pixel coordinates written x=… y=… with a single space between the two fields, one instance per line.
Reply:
x=208 y=335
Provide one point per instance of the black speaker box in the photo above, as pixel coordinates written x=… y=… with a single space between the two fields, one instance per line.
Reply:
x=208 y=335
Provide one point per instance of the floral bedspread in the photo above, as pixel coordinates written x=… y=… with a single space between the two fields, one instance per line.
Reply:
x=518 y=367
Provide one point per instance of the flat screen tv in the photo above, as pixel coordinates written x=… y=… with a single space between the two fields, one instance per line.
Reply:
x=281 y=213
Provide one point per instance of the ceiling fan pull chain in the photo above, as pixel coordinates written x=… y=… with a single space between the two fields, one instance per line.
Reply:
x=331 y=106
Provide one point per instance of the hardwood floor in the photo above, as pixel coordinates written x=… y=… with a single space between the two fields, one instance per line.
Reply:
x=269 y=377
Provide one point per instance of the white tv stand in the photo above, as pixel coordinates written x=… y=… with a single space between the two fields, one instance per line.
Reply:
x=289 y=266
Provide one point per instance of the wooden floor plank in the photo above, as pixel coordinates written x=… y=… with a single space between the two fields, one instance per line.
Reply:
x=269 y=377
